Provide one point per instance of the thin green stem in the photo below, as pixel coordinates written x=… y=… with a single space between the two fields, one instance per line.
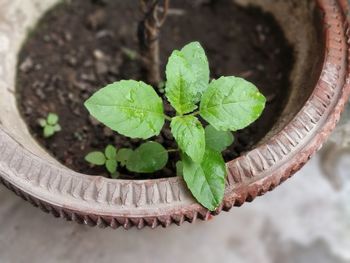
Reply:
x=168 y=118
x=195 y=113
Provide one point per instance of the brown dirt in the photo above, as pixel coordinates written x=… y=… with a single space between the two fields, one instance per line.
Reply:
x=77 y=49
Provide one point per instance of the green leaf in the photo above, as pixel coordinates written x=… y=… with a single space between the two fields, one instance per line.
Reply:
x=189 y=134
x=57 y=128
x=129 y=107
x=179 y=168
x=49 y=131
x=231 y=103
x=206 y=180
x=111 y=152
x=123 y=156
x=115 y=175
x=52 y=118
x=217 y=140
x=42 y=122
x=199 y=65
x=187 y=75
x=111 y=166
x=96 y=158
x=148 y=158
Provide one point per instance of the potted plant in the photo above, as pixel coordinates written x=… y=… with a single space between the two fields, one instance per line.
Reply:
x=303 y=115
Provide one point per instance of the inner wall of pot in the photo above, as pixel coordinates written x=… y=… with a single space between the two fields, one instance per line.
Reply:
x=298 y=19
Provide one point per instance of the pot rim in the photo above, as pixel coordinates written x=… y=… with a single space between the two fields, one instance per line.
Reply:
x=108 y=202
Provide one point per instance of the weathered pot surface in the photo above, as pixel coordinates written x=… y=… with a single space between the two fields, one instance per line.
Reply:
x=320 y=88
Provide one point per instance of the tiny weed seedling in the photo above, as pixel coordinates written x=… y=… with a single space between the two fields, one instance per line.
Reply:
x=133 y=108
x=108 y=158
x=50 y=125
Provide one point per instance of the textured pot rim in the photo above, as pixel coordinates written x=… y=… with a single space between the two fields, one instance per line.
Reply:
x=105 y=202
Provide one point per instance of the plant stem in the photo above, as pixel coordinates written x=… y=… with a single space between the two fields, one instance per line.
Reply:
x=172 y=150
x=168 y=117
x=195 y=113
x=148 y=35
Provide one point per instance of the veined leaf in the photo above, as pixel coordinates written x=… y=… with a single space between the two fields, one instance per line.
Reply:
x=217 y=140
x=129 y=107
x=206 y=180
x=148 y=158
x=189 y=134
x=187 y=75
x=231 y=103
x=179 y=168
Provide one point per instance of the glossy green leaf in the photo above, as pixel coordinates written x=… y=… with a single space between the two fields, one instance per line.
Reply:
x=111 y=152
x=123 y=156
x=189 y=134
x=96 y=158
x=111 y=166
x=52 y=118
x=148 y=158
x=187 y=75
x=206 y=180
x=231 y=103
x=129 y=107
x=217 y=140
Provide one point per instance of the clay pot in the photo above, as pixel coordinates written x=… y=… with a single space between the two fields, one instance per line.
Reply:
x=320 y=88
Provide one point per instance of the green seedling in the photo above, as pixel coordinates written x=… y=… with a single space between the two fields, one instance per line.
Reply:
x=108 y=158
x=50 y=125
x=133 y=108
x=149 y=157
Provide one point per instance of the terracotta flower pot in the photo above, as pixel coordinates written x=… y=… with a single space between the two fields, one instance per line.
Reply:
x=320 y=88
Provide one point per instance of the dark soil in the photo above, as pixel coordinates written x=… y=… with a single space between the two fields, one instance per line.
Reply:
x=77 y=48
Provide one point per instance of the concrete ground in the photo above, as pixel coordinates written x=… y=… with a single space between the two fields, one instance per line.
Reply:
x=304 y=221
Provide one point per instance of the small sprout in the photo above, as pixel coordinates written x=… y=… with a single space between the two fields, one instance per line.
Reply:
x=130 y=54
x=78 y=136
x=50 y=125
x=133 y=108
x=108 y=158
